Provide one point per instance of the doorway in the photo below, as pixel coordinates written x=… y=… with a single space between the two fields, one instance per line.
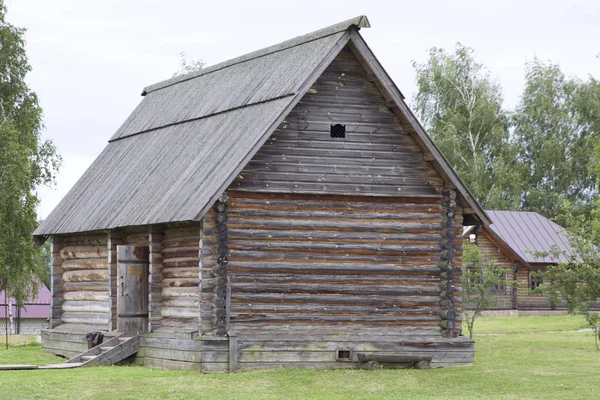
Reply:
x=132 y=288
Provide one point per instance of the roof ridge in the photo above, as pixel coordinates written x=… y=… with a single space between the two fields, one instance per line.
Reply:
x=359 y=22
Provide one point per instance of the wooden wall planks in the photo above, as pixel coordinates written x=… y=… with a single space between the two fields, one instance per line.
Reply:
x=376 y=158
x=85 y=279
x=293 y=262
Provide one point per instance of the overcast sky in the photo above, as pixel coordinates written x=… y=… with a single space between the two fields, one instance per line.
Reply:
x=91 y=59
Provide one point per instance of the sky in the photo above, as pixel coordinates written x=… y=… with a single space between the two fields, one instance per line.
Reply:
x=91 y=59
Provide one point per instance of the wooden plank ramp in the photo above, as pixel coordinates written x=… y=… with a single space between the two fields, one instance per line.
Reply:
x=111 y=352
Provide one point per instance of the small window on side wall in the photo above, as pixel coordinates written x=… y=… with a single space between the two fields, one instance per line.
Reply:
x=338 y=131
x=535 y=280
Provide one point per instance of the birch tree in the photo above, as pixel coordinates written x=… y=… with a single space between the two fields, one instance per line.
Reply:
x=557 y=124
x=26 y=162
x=461 y=108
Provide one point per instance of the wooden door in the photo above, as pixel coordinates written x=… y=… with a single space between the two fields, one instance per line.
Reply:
x=132 y=292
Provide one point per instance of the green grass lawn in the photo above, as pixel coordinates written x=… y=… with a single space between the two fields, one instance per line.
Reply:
x=529 y=324
x=529 y=365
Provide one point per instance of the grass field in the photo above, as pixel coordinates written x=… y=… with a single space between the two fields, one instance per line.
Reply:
x=521 y=362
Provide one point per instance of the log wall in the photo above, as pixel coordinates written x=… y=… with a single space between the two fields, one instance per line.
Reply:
x=333 y=263
x=85 y=276
x=525 y=300
x=505 y=300
x=180 y=277
x=376 y=158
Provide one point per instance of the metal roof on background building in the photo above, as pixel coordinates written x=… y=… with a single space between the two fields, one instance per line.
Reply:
x=526 y=232
x=190 y=136
x=38 y=307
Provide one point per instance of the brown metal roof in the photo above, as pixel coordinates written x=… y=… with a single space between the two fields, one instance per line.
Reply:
x=526 y=232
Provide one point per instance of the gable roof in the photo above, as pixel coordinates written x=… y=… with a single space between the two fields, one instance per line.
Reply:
x=526 y=231
x=191 y=135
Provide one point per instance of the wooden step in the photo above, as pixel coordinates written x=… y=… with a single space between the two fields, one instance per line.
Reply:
x=87 y=358
x=61 y=366
x=103 y=349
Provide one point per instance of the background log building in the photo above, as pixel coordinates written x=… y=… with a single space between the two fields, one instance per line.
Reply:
x=283 y=208
x=512 y=240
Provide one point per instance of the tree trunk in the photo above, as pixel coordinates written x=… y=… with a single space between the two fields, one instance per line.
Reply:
x=11 y=325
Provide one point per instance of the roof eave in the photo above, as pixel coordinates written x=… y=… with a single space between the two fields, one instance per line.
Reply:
x=505 y=247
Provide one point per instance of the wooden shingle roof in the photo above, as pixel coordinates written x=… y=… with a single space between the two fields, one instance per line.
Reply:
x=191 y=135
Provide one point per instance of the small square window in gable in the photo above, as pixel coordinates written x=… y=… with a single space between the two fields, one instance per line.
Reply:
x=338 y=131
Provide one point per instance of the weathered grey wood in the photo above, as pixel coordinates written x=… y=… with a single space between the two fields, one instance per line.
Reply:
x=83 y=252
x=366 y=57
x=132 y=299
x=369 y=365
x=233 y=351
x=307 y=267
x=171 y=364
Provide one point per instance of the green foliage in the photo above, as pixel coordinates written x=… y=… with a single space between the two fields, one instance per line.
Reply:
x=557 y=124
x=480 y=276
x=576 y=280
x=26 y=162
x=461 y=108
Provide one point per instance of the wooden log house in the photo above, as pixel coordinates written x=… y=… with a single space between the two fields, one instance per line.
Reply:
x=512 y=241
x=281 y=209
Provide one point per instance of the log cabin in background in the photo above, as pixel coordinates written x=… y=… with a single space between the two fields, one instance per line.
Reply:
x=512 y=240
x=283 y=208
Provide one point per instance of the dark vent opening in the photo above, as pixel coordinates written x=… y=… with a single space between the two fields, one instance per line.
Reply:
x=344 y=354
x=338 y=131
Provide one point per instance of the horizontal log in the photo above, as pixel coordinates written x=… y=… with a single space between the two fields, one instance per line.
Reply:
x=180 y=282
x=360 y=248
x=322 y=176
x=86 y=276
x=189 y=302
x=365 y=278
x=346 y=215
x=85 y=318
x=86 y=306
x=316 y=167
x=190 y=230
x=248 y=309
x=190 y=241
x=333 y=299
x=180 y=262
x=273 y=256
x=87 y=296
x=179 y=252
x=340 y=188
x=85 y=287
x=85 y=264
x=72 y=252
x=347 y=268
x=332 y=288
x=287 y=142
x=335 y=319
x=180 y=292
x=345 y=159
x=97 y=239
x=364 y=237
x=138 y=238
x=191 y=272
x=179 y=312
x=335 y=225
